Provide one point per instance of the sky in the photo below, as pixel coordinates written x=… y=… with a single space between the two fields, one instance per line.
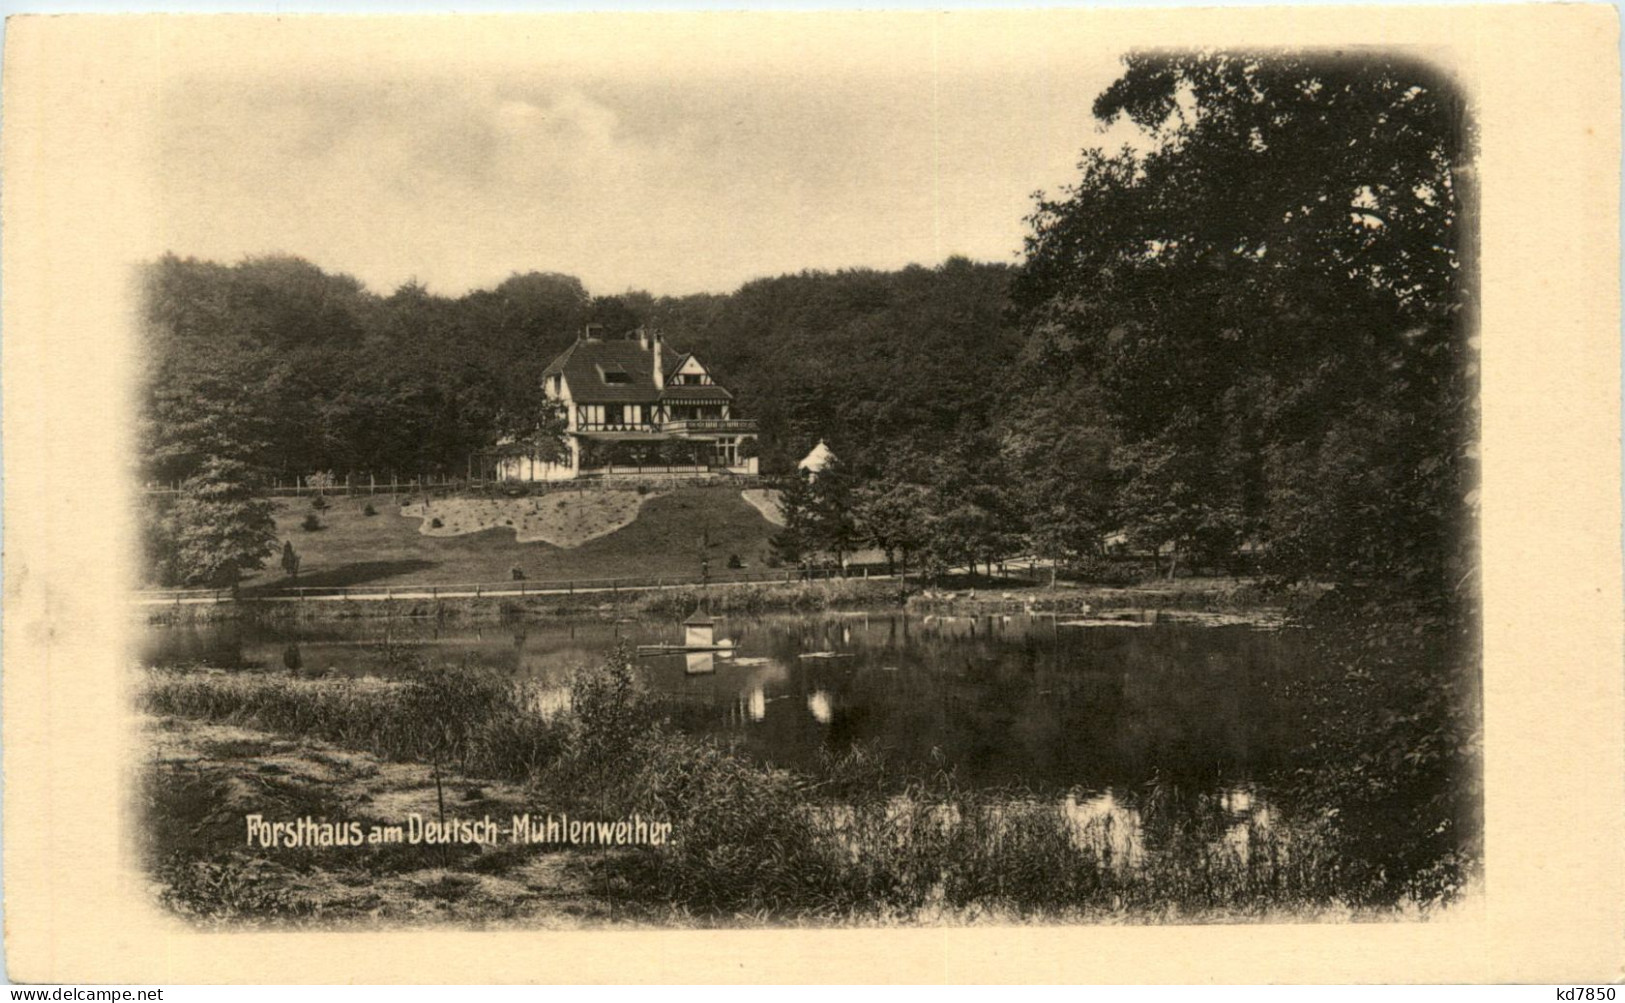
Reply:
x=681 y=164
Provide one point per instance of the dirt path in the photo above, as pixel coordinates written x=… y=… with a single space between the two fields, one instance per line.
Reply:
x=765 y=501
x=202 y=781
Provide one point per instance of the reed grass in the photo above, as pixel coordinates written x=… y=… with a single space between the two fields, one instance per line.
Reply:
x=475 y=719
x=855 y=837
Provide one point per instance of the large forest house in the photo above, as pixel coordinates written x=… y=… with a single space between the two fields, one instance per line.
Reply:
x=632 y=403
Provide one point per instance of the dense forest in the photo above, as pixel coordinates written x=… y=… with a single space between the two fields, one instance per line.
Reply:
x=1250 y=334
x=318 y=374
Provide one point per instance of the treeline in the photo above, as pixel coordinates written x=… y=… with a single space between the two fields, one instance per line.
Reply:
x=275 y=362
x=1250 y=334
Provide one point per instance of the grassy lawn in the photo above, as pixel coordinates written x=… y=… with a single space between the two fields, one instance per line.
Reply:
x=388 y=549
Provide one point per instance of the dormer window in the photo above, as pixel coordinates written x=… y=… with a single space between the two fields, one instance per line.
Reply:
x=690 y=379
x=615 y=375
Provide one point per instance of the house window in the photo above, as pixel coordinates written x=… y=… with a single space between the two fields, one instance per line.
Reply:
x=617 y=376
x=612 y=414
x=691 y=379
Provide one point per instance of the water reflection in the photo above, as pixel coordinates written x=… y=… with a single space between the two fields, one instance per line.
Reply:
x=1099 y=712
x=1110 y=829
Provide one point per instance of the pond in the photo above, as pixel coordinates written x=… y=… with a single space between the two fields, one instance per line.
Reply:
x=1030 y=702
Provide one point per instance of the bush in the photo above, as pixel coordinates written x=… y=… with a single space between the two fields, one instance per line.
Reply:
x=311 y=523
x=745 y=840
x=319 y=503
x=517 y=572
x=435 y=523
x=734 y=562
x=369 y=510
x=609 y=704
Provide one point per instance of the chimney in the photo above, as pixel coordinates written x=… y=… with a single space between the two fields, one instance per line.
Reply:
x=660 y=374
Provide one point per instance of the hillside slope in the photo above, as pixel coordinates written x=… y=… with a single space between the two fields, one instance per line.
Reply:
x=390 y=549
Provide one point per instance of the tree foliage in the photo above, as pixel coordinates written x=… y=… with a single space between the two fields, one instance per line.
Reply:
x=1272 y=300
x=275 y=362
x=820 y=517
x=217 y=529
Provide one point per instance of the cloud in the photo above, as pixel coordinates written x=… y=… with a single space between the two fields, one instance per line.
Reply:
x=675 y=185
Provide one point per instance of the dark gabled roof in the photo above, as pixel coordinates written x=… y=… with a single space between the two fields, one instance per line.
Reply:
x=584 y=363
x=704 y=392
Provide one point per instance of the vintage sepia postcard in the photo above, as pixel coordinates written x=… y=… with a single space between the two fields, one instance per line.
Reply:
x=1081 y=495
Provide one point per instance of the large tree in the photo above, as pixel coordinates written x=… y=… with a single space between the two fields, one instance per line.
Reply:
x=219 y=527
x=1056 y=444
x=1272 y=295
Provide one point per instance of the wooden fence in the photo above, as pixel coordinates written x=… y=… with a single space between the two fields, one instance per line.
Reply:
x=590 y=480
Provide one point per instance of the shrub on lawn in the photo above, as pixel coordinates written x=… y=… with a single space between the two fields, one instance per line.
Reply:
x=369 y=510
x=311 y=523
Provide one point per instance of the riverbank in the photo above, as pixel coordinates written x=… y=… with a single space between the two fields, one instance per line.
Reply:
x=665 y=602
x=1218 y=599
x=851 y=841
x=1211 y=600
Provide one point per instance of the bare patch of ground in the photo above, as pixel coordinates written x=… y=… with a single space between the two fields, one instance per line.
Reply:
x=765 y=501
x=563 y=519
x=200 y=782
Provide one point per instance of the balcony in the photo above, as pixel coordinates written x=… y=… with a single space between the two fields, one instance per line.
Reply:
x=615 y=426
x=710 y=426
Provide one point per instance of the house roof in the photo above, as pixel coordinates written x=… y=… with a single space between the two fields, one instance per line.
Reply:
x=584 y=363
x=710 y=392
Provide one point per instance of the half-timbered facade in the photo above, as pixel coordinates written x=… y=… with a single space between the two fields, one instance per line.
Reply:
x=632 y=395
